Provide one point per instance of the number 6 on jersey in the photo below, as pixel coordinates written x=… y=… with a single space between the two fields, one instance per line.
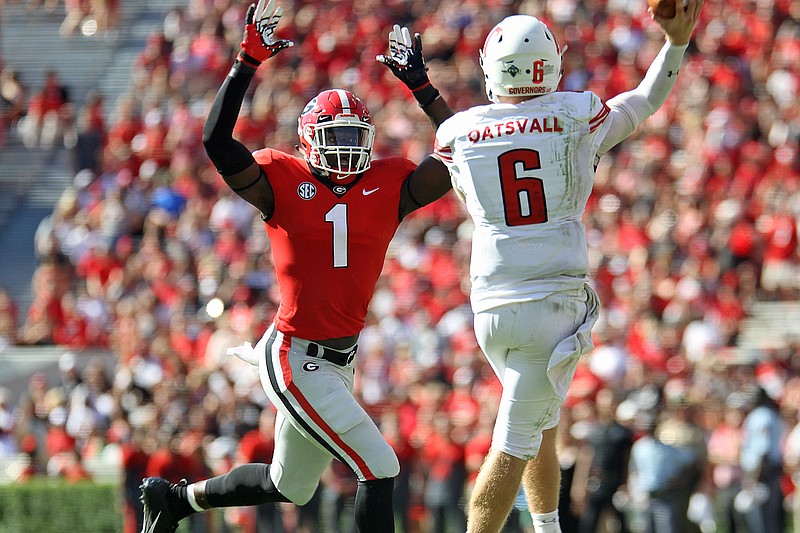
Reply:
x=523 y=194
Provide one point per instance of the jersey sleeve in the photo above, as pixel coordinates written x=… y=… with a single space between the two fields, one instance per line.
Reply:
x=445 y=152
x=444 y=141
x=405 y=167
x=599 y=111
x=266 y=156
x=393 y=169
x=599 y=122
x=443 y=146
x=275 y=163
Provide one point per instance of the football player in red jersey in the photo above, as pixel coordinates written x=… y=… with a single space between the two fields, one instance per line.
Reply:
x=330 y=216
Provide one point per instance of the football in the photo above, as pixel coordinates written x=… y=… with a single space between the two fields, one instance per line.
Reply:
x=663 y=8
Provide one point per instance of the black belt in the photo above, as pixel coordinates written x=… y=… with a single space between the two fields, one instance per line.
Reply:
x=329 y=354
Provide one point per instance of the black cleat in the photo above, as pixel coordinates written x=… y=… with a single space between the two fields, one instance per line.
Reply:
x=160 y=513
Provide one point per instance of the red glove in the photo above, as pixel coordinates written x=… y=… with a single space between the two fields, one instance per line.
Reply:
x=258 y=43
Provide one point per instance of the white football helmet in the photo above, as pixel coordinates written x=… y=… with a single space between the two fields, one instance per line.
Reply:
x=521 y=57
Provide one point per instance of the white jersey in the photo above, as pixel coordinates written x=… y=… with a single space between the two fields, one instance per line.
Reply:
x=525 y=172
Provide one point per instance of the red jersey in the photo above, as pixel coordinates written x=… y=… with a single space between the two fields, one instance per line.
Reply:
x=329 y=242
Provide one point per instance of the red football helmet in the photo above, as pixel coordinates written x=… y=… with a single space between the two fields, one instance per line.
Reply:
x=336 y=134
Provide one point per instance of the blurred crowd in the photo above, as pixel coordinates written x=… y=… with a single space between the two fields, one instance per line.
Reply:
x=150 y=256
x=89 y=17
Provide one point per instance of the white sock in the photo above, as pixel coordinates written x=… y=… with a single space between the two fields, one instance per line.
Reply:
x=546 y=522
x=192 y=501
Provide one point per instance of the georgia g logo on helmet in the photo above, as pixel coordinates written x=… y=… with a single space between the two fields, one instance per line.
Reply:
x=309 y=106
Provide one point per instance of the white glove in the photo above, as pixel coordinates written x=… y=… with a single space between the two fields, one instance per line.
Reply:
x=245 y=352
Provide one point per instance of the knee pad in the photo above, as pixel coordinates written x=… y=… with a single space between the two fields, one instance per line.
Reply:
x=389 y=465
x=299 y=495
x=299 y=490
x=519 y=433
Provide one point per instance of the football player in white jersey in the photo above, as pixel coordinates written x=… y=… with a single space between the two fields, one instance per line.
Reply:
x=525 y=166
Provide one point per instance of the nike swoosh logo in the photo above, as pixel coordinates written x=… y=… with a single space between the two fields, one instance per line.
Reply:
x=365 y=192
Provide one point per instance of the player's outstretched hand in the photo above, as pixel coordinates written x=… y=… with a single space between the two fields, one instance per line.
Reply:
x=259 y=43
x=245 y=352
x=405 y=58
x=680 y=27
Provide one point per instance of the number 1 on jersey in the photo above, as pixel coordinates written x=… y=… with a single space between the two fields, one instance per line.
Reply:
x=523 y=193
x=337 y=216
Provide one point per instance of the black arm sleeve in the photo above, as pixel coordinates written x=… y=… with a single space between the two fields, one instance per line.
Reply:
x=429 y=182
x=228 y=155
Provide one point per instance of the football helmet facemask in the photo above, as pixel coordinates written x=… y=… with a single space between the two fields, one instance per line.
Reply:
x=521 y=57
x=336 y=134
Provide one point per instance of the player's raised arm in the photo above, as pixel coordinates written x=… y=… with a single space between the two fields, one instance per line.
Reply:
x=431 y=180
x=233 y=160
x=631 y=108
x=407 y=63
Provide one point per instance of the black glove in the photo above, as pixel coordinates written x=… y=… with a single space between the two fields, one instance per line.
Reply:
x=407 y=63
x=258 y=42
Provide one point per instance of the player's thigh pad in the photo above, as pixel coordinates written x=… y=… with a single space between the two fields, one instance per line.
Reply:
x=297 y=464
x=315 y=396
x=520 y=341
